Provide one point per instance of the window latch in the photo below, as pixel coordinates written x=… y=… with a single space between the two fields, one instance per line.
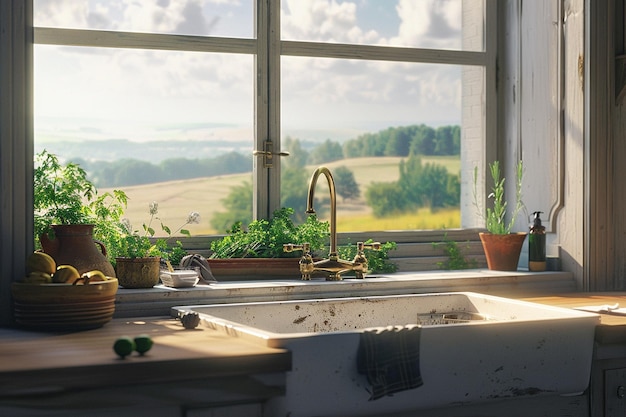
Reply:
x=268 y=154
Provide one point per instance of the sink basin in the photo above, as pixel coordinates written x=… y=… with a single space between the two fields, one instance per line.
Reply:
x=473 y=348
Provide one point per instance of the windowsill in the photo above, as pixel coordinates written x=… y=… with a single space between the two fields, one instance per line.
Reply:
x=159 y=300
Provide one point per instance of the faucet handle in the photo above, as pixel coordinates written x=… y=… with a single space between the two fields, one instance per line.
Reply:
x=373 y=246
x=291 y=247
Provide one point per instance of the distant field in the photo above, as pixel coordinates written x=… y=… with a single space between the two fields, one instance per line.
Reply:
x=177 y=198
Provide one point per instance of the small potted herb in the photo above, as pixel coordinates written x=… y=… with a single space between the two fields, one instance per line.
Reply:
x=138 y=254
x=502 y=247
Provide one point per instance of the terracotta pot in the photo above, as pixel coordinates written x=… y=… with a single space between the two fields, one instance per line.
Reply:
x=138 y=272
x=502 y=251
x=73 y=244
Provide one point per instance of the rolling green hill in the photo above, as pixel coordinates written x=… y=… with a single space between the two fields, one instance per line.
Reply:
x=177 y=198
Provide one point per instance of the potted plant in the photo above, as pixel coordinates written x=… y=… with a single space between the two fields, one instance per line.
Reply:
x=257 y=250
x=138 y=254
x=502 y=247
x=72 y=221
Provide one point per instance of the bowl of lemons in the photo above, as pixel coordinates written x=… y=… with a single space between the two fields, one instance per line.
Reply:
x=59 y=297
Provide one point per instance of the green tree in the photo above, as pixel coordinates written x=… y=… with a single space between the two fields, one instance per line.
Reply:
x=134 y=172
x=398 y=142
x=385 y=198
x=328 y=151
x=346 y=184
x=238 y=205
x=298 y=156
x=410 y=179
x=423 y=142
x=453 y=190
x=294 y=191
x=446 y=141
x=433 y=186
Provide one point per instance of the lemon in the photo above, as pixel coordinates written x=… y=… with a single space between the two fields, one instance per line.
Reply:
x=94 y=275
x=40 y=262
x=124 y=346
x=65 y=273
x=37 y=277
x=143 y=343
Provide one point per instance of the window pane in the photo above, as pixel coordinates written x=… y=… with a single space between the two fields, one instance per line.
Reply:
x=370 y=117
x=231 y=18
x=184 y=120
x=440 y=24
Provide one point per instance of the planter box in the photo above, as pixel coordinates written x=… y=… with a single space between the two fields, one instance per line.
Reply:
x=241 y=269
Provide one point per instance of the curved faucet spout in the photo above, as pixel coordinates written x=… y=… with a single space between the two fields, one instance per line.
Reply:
x=333 y=205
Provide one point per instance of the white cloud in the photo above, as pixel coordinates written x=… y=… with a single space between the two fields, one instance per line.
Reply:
x=323 y=20
x=162 y=85
x=429 y=23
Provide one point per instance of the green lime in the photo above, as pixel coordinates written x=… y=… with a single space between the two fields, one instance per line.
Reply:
x=143 y=343
x=124 y=346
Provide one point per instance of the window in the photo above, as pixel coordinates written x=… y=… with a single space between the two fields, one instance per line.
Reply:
x=356 y=85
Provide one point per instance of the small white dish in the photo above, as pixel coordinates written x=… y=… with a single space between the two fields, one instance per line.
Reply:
x=179 y=278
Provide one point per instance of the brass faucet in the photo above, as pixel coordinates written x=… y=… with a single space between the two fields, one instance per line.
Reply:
x=333 y=267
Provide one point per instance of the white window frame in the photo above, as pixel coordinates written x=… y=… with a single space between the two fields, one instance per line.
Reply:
x=268 y=48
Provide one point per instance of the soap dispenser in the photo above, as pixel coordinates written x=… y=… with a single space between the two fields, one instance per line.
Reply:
x=537 y=244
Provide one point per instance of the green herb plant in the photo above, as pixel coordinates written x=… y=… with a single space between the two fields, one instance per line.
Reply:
x=265 y=238
x=64 y=195
x=495 y=217
x=456 y=259
x=133 y=243
x=378 y=261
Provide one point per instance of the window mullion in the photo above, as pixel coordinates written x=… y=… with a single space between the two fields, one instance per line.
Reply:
x=267 y=107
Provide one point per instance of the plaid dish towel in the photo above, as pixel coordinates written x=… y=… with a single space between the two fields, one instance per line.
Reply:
x=389 y=358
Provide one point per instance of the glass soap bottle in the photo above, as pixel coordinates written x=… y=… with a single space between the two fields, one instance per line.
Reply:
x=537 y=245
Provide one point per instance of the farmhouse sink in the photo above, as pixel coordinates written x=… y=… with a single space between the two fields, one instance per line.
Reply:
x=473 y=348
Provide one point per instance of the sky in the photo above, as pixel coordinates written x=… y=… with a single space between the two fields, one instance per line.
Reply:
x=141 y=95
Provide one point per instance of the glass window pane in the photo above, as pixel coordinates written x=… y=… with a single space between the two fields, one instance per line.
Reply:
x=390 y=132
x=172 y=127
x=439 y=24
x=231 y=18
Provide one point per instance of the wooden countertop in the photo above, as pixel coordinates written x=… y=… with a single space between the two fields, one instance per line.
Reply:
x=612 y=328
x=38 y=362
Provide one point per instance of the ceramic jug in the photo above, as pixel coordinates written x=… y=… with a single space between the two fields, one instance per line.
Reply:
x=74 y=245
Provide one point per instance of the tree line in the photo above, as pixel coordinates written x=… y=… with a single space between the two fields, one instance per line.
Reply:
x=394 y=141
x=127 y=172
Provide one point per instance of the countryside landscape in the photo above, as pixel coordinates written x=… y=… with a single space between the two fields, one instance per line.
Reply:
x=384 y=167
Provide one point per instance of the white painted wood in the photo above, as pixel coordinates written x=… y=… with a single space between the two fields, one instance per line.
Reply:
x=569 y=241
x=134 y=40
x=539 y=104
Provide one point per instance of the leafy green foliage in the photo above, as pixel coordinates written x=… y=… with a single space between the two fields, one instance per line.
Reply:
x=265 y=238
x=294 y=186
x=328 y=151
x=406 y=140
x=126 y=172
x=346 y=184
x=385 y=198
x=238 y=205
x=495 y=218
x=64 y=195
x=378 y=261
x=419 y=185
x=456 y=258
x=133 y=243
